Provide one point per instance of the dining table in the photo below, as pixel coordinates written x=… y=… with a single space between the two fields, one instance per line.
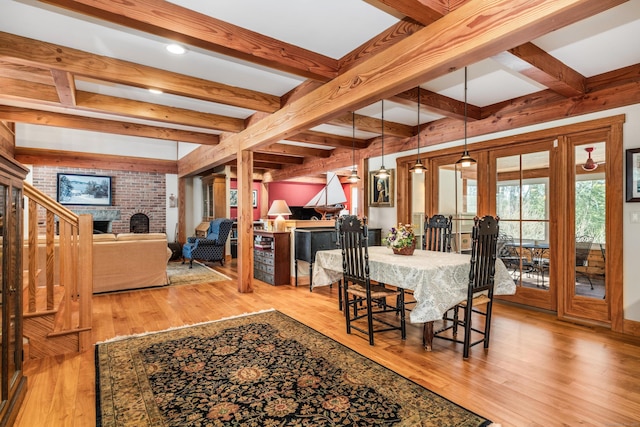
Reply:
x=439 y=280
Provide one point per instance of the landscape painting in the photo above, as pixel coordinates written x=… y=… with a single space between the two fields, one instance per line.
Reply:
x=75 y=189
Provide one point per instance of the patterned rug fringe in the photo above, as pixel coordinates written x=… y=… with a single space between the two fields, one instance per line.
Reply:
x=173 y=328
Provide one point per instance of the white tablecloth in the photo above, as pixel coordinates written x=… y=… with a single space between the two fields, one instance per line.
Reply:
x=439 y=280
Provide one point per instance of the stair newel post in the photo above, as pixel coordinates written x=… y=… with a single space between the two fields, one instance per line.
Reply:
x=85 y=279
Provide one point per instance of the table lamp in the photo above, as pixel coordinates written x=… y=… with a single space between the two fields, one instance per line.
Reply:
x=277 y=209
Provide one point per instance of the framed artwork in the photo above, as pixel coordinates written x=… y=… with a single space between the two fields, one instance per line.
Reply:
x=233 y=198
x=381 y=189
x=75 y=189
x=633 y=175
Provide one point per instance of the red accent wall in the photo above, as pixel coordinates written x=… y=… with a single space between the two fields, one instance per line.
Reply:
x=294 y=193
x=233 y=212
x=298 y=194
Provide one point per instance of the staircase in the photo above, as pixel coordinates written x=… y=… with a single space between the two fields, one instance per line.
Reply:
x=56 y=307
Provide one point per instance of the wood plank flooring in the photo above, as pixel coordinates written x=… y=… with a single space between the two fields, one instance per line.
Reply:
x=538 y=371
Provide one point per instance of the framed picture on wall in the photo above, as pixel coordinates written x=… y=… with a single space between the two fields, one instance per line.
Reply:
x=233 y=198
x=633 y=175
x=91 y=190
x=381 y=189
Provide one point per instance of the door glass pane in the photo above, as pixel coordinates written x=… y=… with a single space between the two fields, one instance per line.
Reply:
x=458 y=197
x=590 y=212
x=523 y=207
x=15 y=359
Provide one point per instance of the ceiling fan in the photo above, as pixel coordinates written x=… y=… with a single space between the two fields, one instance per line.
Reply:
x=589 y=165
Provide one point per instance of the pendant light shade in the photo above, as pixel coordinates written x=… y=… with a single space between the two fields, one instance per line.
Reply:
x=418 y=167
x=353 y=178
x=466 y=160
x=382 y=172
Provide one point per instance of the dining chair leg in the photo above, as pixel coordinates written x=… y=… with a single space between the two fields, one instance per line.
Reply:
x=370 y=318
x=403 y=326
x=467 y=329
x=456 y=321
x=340 y=295
x=347 y=311
x=487 y=325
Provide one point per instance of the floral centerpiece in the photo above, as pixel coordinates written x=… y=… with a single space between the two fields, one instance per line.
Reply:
x=401 y=239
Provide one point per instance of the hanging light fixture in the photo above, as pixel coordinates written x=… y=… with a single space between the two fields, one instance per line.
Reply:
x=418 y=167
x=353 y=178
x=466 y=160
x=383 y=172
x=589 y=165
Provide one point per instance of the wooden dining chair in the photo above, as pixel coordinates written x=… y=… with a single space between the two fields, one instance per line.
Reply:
x=437 y=233
x=363 y=299
x=479 y=290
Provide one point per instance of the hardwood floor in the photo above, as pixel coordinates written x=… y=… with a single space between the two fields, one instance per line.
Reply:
x=538 y=371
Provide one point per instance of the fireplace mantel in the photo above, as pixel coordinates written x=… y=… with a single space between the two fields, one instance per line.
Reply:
x=100 y=214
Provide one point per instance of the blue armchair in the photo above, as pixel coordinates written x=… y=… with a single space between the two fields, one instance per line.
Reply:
x=210 y=248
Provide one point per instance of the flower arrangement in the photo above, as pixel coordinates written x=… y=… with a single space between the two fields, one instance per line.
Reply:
x=401 y=237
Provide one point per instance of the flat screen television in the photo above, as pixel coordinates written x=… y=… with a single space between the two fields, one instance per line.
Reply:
x=76 y=189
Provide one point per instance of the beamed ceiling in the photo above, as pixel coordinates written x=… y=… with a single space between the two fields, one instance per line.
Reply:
x=291 y=79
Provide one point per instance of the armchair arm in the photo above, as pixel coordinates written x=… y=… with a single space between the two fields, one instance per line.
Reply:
x=207 y=242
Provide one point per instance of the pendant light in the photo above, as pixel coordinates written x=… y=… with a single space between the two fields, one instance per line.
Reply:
x=353 y=178
x=466 y=160
x=418 y=167
x=383 y=172
x=589 y=165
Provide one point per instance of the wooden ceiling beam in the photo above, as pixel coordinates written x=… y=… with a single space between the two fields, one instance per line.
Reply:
x=26 y=72
x=89 y=101
x=389 y=37
x=157 y=112
x=533 y=62
x=46 y=118
x=45 y=157
x=294 y=150
x=320 y=138
x=371 y=124
x=186 y=26
x=65 y=86
x=437 y=104
x=277 y=158
x=452 y=42
x=25 y=51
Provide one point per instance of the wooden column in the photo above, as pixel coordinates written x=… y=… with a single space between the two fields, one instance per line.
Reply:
x=182 y=210
x=245 y=221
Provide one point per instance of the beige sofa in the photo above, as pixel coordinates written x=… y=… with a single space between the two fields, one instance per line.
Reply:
x=120 y=262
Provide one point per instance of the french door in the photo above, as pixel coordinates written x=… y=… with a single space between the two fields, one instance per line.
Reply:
x=558 y=193
x=523 y=190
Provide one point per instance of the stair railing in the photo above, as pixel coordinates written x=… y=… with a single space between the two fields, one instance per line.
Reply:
x=74 y=249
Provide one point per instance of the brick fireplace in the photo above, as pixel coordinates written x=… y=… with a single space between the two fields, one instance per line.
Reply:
x=132 y=193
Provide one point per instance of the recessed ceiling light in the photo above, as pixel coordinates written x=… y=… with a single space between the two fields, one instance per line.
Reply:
x=155 y=91
x=176 y=49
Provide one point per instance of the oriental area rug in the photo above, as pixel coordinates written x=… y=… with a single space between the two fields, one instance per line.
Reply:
x=180 y=274
x=256 y=370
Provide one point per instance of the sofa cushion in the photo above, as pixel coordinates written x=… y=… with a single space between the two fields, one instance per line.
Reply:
x=141 y=236
x=106 y=237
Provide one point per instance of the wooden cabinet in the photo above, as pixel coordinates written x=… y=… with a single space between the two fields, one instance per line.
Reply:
x=272 y=257
x=13 y=384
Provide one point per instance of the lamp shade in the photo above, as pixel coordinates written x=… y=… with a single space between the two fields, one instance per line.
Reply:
x=277 y=209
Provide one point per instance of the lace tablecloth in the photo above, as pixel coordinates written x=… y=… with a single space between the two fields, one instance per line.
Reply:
x=439 y=280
